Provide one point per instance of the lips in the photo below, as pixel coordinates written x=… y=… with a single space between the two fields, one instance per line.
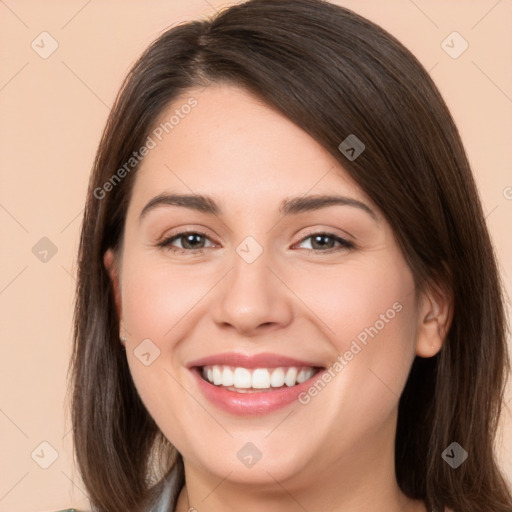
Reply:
x=252 y=384
x=263 y=360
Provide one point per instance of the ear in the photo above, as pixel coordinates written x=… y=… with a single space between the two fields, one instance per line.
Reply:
x=110 y=262
x=434 y=320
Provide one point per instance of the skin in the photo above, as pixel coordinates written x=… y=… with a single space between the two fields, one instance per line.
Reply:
x=295 y=299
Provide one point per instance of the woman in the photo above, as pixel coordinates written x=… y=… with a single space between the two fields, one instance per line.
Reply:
x=288 y=298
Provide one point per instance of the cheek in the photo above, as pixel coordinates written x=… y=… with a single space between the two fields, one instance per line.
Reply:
x=157 y=297
x=158 y=305
x=158 y=302
x=369 y=317
x=358 y=301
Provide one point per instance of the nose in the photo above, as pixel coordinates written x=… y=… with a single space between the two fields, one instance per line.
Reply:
x=253 y=298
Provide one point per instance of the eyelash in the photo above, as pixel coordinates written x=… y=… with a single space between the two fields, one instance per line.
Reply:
x=166 y=244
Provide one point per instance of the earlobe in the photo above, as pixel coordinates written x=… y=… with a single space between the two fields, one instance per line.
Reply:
x=110 y=262
x=435 y=316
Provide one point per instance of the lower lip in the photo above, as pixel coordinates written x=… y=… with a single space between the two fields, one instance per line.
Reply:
x=253 y=403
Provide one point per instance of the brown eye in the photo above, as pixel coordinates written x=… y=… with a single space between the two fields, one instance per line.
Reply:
x=190 y=241
x=326 y=242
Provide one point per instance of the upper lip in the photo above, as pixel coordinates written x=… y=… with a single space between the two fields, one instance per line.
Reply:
x=263 y=360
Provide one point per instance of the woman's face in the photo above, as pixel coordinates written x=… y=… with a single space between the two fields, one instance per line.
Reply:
x=272 y=284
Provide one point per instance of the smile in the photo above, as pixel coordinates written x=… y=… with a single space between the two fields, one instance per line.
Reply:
x=256 y=384
x=244 y=380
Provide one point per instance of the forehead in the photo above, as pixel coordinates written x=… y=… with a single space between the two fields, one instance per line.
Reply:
x=233 y=146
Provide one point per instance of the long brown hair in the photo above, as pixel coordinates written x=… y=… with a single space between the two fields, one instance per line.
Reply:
x=333 y=73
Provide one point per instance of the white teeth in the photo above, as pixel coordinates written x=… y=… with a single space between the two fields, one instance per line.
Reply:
x=217 y=375
x=258 y=378
x=305 y=374
x=242 y=378
x=227 y=376
x=277 y=378
x=291 y=377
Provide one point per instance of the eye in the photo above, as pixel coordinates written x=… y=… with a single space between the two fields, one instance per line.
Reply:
x=194 y=242
x=190 y=242
x=325 y=242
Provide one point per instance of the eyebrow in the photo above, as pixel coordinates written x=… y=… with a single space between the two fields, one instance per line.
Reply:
x=289 y=206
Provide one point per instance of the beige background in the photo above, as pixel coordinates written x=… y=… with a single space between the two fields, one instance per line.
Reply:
x=52 y=112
